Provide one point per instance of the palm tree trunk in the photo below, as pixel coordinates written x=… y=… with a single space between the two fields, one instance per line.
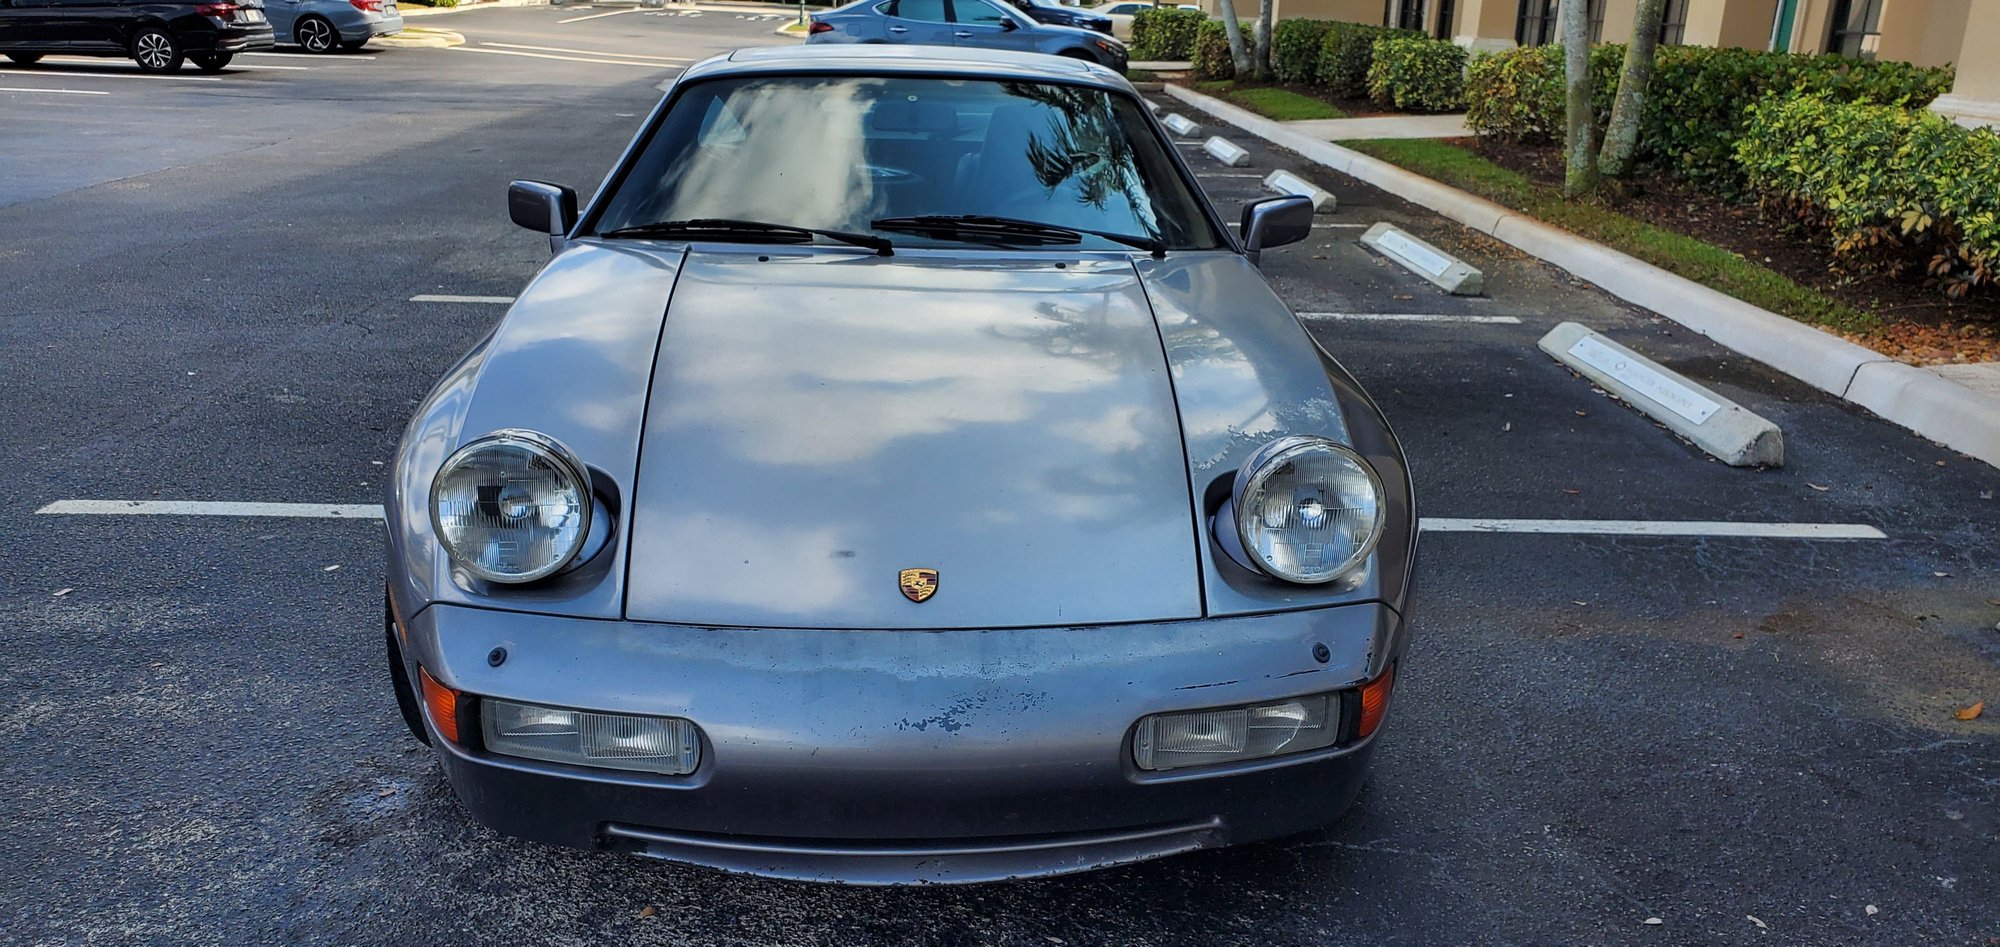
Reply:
x=1262 y=66
x=1238 y=56
x=1580 y=177
x=1621 y=140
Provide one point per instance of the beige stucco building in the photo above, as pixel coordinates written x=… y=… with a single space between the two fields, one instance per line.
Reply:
x=1925 y=32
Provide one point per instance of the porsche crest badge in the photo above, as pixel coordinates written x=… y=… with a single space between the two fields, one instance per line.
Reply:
x=918 y=584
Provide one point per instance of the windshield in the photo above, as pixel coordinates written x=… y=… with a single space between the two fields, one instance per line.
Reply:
x=840 y=152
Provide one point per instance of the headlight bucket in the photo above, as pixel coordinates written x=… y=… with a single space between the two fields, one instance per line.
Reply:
x=1306 y=509
x=514 y=506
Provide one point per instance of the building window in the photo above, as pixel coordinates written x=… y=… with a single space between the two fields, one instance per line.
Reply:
x=1409 y=15
x=1857 y=27
x=1536 y=25
x=1446 y=9
x=1673 y=23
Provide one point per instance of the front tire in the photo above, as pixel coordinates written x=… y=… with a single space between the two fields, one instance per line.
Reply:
x=211 y=62
x=25 y=59
x=316 y=34
x=156 y=50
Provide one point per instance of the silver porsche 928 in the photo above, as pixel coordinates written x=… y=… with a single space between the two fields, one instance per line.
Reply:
x=899 y=474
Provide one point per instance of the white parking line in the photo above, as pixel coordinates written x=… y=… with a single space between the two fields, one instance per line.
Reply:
x=588 y=52
x=91 y=61
x=602 y=62
x=1409 y=317
x=8 y=88
x=1689 y=528
x=1656 y=528
x=580 y=19
x=322 y=57
x=69 y=74
x=448 y=298
x=347 y=511
x=1225 y=174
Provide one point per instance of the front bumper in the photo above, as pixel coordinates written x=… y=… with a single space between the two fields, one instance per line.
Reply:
x=906 y=756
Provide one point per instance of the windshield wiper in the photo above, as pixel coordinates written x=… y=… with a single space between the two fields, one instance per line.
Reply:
x=723 y=228
x=978 y=225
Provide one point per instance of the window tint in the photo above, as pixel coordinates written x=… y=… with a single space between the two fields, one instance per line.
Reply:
x=839 y=152
x=929 y=11
x=980 y=12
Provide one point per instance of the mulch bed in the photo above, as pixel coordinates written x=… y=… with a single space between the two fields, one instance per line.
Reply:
x=1921 y=325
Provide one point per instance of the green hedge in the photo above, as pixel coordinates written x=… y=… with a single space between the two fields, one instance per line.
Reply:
x=1417 y=74
x=1165 y=33
x=1701 y=98
x=1697 y=104
x=1211 y=51
x=1517 y=95
x=1345 y=54
x=1882 y=175
x=1295 y=46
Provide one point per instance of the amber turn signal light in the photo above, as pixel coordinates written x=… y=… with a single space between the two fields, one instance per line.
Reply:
x=1375 y=701
x=442 y=702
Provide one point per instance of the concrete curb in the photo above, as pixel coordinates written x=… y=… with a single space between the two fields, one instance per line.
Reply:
x=1228 y=152
x=1726 y=430
x=420 y=37
x=1926 y=403
x=1445 y=271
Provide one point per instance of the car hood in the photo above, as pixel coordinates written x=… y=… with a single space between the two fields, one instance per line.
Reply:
x=820 y=422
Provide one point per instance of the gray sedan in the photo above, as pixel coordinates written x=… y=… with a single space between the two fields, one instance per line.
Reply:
x=899 y=475
x=981 y=24
x=322 y=26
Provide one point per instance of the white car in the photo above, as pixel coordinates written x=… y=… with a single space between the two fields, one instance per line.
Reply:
x=1121 y=15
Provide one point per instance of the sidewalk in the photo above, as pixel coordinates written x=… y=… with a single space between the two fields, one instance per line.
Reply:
x=1955 y=405
x=1383 y=126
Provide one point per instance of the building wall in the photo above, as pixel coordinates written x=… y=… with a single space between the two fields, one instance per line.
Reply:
x=1352 y=11
x=1744 y=24
x=1975 y=96
x=1925 y=32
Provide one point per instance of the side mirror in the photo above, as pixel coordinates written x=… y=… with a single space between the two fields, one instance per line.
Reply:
x=1009 y=26
x=1275 y=222
x=543 y=208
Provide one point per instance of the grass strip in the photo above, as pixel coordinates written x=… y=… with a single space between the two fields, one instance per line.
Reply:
x=1272 y=102
x=1712 y=266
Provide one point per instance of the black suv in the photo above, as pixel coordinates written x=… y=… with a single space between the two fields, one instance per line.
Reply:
x=159 y=34
x=1048 y=11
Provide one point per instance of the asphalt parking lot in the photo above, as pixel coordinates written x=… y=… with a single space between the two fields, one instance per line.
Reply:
x=234 y=289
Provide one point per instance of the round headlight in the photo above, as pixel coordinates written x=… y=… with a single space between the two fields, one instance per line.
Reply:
x=1308 y=510
x=513 y=506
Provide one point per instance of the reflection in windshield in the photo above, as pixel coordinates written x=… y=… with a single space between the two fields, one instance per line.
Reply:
x=836 y=152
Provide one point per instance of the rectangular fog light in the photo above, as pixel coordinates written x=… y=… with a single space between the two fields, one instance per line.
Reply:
x=1228 y=734
x=666 y=745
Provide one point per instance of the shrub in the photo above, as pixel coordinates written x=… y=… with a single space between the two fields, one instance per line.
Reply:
x=1165 y=33
x=1345 y=54
x=1882 y=181
x=1295 y=46
x=1701 y=97
x=1697 y=104
x=1517 y=94
x=1417 y=74
x=1211 y=51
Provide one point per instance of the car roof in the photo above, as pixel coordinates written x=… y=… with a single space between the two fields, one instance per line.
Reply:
x=883 y=59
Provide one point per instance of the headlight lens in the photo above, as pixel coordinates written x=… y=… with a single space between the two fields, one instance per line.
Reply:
x=513 y=506
x=1308 y=510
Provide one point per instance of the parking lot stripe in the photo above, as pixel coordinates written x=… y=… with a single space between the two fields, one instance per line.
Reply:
x=6 y=88
x=602 y=62
x=93 y=61
x=580 y=19
x=447 y=298
x=68 y=74
x=1409 y=317
x=349 y=511
x=322 y=57
x=589 y=52
x=1656 y=528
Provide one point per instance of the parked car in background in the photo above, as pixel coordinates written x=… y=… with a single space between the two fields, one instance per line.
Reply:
x=322 y=26
x=159 y=36
x=985 y=24
x=899 y=475
x=1055 y=14
x=1122 y=14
